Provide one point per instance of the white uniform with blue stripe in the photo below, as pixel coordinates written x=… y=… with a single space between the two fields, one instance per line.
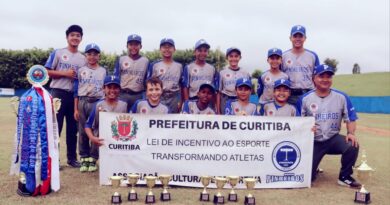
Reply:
x=144 y=107
x=273 y=109
x=328 y=111
x=266 y=82
x=90 y=82
x=227 y=80
x=132 y=73
x=169 y=74
x=190 y=107
x=195 y=75
x=233 y=107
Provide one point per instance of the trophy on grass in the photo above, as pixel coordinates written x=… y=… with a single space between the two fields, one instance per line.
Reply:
x=150 y=182
x=233 y=180
x=164 y=179
x=363 y=173
x=204 y=195
x=250 y=185
x=116 y=182
x=220 y=182
x=132 y=180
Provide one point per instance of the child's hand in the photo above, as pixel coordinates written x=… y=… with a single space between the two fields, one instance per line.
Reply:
x=97 y=141
x=76 y=115
x=314 y=128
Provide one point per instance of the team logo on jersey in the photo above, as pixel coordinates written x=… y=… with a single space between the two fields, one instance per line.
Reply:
x=161 y=71
x=65 y=57
x=28 y=98
x=267 y=79
x=195 y=71
x=270 y=113
x=144 y=110
x=289 y=62
x=286 y=156
x=236 y=110
x=126 y=64
x=228 y=75
x=84 y=74
x=124 y=128
x=313 y=107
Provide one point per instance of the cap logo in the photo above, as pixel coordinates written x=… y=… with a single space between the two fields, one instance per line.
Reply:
x=244 y=80
x=299 y=28
x=274 y=50
x=112 y=77
x=133 y=36
x=326 y=67
x=282 y=81
x=93 y=45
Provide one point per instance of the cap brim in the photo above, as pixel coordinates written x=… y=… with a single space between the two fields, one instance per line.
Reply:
x=326 y=71
x=287 y=86
x=244 y=84
x=92 y=49
x=236 y=50
x=203 y=45
x=161 y=44
x=207 y=86
x=298 y=32
x=112 y=83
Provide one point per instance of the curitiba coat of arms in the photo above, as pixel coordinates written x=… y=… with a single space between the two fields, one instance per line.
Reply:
x=124 y=128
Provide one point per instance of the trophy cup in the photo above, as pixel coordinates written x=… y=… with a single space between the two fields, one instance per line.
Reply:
x=150 y=182
x=164 y=179
x=250 y=184
x=220 y=182
x=132 y=180
x=204 y=196
x=116 y=181
x=363 y=173
x=116 y=198
x=233 y=180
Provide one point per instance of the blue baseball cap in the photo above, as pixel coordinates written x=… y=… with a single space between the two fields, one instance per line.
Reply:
x=167 y=40
x=282 y=82
x=207 y=84
x=244 y=81
x=92 y=46
x=112 y=79
x=231 y=49
x=322 y=69
x=201 y=43
x=134 y=37
x=275 y=51
x=298 y=29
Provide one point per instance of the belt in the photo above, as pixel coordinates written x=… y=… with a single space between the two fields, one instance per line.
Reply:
x=61 y=90
x=89 y=99
x=128 y=91
x=299 y=91
x=170 y=94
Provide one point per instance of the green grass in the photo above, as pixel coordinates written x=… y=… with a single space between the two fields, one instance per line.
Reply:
x=368 y=84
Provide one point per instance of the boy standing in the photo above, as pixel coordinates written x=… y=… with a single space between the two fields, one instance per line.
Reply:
x=201 y=104
x=62 y=66
x=242 y=106
x=131 y=70
x=110 y=103
x=169 y=72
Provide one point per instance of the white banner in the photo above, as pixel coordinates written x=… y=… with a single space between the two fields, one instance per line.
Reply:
x=277 y=151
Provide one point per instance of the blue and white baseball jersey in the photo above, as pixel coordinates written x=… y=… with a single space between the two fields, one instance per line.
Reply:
x=169 y=74
x=144 y=107
x=190 y=107
x=63 y=60
x=195 y=75
x=266 y=82
x=90 y=82
x=328 y=111
x=132 y=73
x=273 y=109
x=103 y=106
x=233 y=107
x=299 y=68
x=226 y=80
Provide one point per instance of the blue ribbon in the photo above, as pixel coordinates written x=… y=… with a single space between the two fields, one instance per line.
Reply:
x=32 y=138
x=43 y=138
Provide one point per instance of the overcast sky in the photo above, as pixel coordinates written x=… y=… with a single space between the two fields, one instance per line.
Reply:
x=351 y=31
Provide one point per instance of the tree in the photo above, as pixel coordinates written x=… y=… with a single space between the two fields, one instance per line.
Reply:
x=356 y=69
x=332 y=63
x=256 y=73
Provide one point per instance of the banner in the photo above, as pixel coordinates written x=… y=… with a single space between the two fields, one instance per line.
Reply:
x=277 y=151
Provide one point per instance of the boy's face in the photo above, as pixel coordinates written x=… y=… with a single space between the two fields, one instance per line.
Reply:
x=243 y=92
x=323 y=81
x=93 y=57
x=153 y=93
x=133 y=48
x=275 y=61
x=74 y=39
x=112 y=91
x=281 y=94
x=201 y=53
x=167 y=50
x=233 y=59
x=297 y=40
x=205 y=95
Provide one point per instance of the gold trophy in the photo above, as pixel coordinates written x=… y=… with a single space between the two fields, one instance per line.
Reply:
x=116 y=181
x=164 y=179
x=116 y=198
x=363 y=173
x=233 y=180
x=220 y=182
x=250 y=185
x=132 y=180
x=150 y=182
x=204 y=195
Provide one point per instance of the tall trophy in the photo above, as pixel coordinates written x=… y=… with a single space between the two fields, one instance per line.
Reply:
x=204 y=195
x=164 y=179
x=150 y=182
x=250 y=185
x=116 y=198
x=363 y=173
x=132 y=180
x=220 y=182
x=233 y=180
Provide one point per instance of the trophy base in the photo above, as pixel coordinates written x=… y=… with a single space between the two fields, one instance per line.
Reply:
x=362 y=198
x=219 y=199
x=150 y=199
x=116 y=200
x=232 y=197
x=165 y=196
x=250 y=201
x=132 y=197
x=204 y=197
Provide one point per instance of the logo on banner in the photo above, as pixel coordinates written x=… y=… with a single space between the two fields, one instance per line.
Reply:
x=286 y=156
x=124 y=128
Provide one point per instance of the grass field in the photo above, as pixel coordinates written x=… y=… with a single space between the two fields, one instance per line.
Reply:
x=77 y=188
x=368 y=84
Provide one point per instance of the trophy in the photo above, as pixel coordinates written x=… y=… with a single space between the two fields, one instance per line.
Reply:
x=116 y=181
x=233 y=180
x=363 y=173
x=250 y=184
x=150 y=182
x=204 y=196
x=164 y=179
x=132 y=180
x=116 y=198
x=220 y=182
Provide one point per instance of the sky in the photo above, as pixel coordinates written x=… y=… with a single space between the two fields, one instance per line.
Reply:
x=350 y=31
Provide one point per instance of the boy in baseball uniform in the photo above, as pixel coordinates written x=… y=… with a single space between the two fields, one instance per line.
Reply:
x=242 y=106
